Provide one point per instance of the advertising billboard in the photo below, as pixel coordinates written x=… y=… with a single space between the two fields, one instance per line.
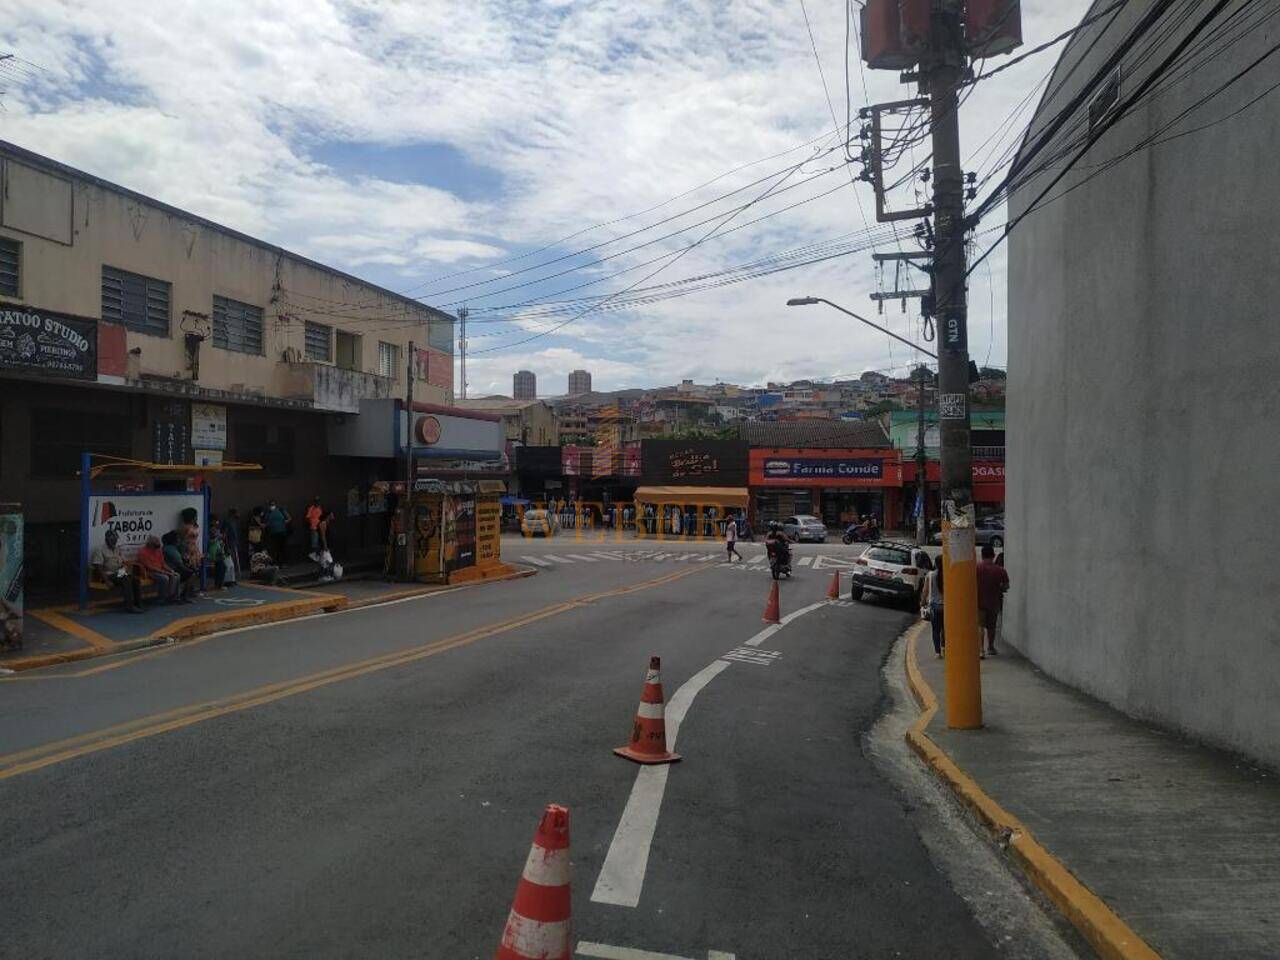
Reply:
x=136 y=516
x=706 y=463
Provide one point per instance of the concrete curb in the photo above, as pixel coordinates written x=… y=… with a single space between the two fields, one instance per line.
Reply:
x=1110 y=936
x=429 y=589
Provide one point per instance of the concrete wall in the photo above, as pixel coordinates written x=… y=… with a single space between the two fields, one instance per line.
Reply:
x=69 y=226
x=1143 y=447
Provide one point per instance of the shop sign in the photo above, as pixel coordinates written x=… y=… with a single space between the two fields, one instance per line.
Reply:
x=207 y=458
x=55 y=344
x=208 y=426
x=988 y=472
x=171 y=432
x=805 y=468
x=716 y=463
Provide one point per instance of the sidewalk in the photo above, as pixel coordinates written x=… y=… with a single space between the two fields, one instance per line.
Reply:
x=65 y=634
x=1174 y=842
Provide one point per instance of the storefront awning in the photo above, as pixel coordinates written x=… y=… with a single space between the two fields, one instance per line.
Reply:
x=720 y=496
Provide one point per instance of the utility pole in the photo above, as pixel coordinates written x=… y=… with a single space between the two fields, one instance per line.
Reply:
x=462 y=348
x=922 y=463
x=941 y=72
x=407 y=507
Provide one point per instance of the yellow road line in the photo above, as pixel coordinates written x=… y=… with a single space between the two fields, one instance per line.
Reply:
x=37 y=758
x=1110 y=936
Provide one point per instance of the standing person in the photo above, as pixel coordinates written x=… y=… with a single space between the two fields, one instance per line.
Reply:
x=992 y=584
x=731 y=540
x=113 y=570
x=277 y=521
x=151 y=560
x=217 y=554
x=257 y=533
x=313 y=516
x=322 y=528
x=931 y=607
x=231 y=537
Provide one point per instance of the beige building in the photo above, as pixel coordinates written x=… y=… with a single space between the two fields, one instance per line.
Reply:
x=529 y=422
x=127 y=326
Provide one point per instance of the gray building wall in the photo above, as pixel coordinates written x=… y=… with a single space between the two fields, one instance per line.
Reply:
x=1144 y=398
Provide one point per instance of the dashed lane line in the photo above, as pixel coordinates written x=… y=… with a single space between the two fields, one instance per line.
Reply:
x=621 y=878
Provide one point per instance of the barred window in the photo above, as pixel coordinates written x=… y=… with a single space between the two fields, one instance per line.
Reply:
x=319 y=341
x=388 y=360
x=9 y=251
x=237 y=326
x=140 y=303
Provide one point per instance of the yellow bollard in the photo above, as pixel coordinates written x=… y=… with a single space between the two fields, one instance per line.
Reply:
x=960 y=619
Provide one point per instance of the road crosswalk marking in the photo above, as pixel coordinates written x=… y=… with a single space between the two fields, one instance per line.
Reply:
x=584 y=559
x=804 y=561
x=535 y=561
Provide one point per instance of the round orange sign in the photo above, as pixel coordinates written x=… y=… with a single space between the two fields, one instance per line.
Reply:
x=427 y=430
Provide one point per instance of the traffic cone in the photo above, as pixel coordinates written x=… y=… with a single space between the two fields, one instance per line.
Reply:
x=833 y=591
x=771 y=608
x=649 y=734
x=539 y=925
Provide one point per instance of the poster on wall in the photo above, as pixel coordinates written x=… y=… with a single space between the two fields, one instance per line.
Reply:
x=209 y=426
x=170 y=432
x=44 y=342
x=137 y=516
x=464 y=532
x=10 y=577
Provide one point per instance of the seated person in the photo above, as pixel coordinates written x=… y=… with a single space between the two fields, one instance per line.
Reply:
x=174 y=559
x=151 y=560
x=111 y=567
x=262 y=566
x=775 y=544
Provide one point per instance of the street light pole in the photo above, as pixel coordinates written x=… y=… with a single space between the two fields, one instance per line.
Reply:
x=810 y=301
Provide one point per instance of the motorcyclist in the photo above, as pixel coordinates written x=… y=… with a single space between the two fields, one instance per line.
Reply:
x=776 y=544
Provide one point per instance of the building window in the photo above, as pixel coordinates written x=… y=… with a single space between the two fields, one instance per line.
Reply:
x=271 y=446
x=59 y=436
x=389 y=360
x=140 y=303
x=9 y=250
x=319 y=342
x=237 y=326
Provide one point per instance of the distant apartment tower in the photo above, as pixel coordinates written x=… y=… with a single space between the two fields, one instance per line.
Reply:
x=524 y=385
x=579 y=382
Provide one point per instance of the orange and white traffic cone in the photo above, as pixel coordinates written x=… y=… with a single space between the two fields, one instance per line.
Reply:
x=771 y=612
x=539 y=926
x=833 y=591
x=649 y=734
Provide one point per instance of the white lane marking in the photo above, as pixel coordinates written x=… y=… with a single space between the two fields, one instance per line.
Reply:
x=605 y=951
x=557 y=559
x=622 y=876
x=759 y=558
x=607 y=556
x=804 y=561
x=752 y=655
x=584 y=559
x=535 y=561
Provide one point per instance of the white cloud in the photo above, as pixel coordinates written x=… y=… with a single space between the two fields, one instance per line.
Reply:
x=585 y=111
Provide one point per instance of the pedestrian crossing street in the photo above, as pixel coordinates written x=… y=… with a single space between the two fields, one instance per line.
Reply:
x=757 y=562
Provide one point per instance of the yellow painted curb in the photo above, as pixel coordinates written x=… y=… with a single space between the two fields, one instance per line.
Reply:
x=1110 y=936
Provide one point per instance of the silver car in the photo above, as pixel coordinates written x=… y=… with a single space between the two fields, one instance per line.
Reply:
x=805 y=528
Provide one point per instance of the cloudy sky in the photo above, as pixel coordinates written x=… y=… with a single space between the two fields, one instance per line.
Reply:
x=540 y=162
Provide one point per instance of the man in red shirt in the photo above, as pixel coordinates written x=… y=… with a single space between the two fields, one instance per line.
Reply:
x=992 y=584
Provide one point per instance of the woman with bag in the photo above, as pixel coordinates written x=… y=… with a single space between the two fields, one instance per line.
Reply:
x=931 y=607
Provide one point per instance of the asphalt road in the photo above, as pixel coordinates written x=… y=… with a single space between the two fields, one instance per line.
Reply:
x=366 y=784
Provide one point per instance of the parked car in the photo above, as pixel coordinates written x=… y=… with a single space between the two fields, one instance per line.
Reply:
x=805 y=527
x=537 y=523
x=891 y=569
x=986 y=530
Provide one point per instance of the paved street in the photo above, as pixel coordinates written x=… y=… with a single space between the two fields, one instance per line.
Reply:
x=367 y=783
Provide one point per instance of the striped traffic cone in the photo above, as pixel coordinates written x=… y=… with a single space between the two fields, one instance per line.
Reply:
x=649 y=734
x=771 y=612
x=539 y=926
x=833 y=591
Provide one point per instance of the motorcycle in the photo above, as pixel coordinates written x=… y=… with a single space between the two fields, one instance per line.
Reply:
x=779 y=560
x=858 y=534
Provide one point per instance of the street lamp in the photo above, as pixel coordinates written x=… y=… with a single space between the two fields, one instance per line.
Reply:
x=810 y=301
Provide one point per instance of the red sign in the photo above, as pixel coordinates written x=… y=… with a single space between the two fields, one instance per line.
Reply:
x=427 y=430
x=805 y=468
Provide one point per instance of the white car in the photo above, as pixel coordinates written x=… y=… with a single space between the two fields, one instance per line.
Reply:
x=891 y=569
x=805 y=527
